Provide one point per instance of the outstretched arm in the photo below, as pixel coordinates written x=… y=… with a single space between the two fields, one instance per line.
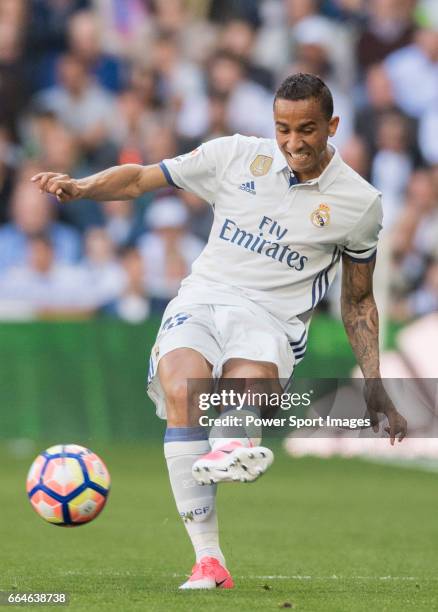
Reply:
x=361 y=322
x=117 y=183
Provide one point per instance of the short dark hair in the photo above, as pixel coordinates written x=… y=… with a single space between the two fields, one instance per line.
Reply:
x=302 y=86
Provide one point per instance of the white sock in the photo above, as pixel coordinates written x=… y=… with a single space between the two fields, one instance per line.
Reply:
x=251 y=435
x=196 y=504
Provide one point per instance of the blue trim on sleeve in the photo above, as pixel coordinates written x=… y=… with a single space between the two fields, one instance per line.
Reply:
x=168 y=176
x=353 y=251
x=364 y=260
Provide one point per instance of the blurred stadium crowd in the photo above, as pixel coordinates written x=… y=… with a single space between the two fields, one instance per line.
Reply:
x=85 y=84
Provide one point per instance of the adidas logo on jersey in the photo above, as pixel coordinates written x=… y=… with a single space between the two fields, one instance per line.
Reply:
x=249 y=187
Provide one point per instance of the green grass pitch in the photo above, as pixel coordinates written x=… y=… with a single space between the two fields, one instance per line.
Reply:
x=313 y=535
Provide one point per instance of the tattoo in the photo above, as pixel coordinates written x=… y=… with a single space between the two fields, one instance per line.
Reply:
x=360 y=316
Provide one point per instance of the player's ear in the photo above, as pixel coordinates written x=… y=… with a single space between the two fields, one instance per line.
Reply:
x=333 y=126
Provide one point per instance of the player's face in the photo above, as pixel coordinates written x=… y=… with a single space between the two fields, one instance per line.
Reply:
x=302 y=131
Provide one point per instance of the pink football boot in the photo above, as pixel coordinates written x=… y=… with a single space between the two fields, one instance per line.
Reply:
x=209 y=574
x=233 y=462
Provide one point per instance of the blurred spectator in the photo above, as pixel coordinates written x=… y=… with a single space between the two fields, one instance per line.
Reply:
x=348 y=10
x=139 y=108
x=13 y=11
x=425 y=299
x=9 y=161
x=179 y=80
x=104 y=271
x=228 y=77
x=181 y=18
x=356 y=154
x=82 y=105
x=327 y=46
x=123 y=23
x=122 y=222
x=132 y=305
x=160 y=143
x=84 y=37
x=14 y=89
x=145 y=85
x=45 y=284
x=413 y=72
x=170 y=15
x=60 y=151
x=296 y=10
x=422 y=195
x=238 y=37
x=427 y=131
x=272 y=45
x=47 y=36
x=300 y=21
x=217 y=119
x=420 y=202
x=50 y=19
x=247 y=10
x=379 y=99
x=227 y=81
x=168 y=250
x=392 y=165
x=415 y=236
x=422 y=300
x=390 y=26
x=33 y=213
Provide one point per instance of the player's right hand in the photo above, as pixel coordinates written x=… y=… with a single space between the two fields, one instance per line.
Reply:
x=378 y=401
x=60 y=185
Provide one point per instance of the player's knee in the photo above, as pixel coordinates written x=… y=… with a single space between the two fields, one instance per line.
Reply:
x=266 y=370
x=180 y=404
x=242 y=368
x=176 y=393
x=183 y=374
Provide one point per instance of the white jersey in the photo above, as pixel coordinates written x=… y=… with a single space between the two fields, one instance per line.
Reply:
x=273 y=241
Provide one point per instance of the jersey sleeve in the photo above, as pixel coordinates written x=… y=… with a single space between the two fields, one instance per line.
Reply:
x=200 y=170
x=361 y=245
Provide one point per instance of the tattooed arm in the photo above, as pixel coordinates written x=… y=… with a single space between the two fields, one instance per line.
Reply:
x=361 y=322
x=359 y=314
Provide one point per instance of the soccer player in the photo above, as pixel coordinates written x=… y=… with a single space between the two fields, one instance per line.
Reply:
x=285 y=212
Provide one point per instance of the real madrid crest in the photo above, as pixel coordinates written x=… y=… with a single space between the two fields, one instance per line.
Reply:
x=321 y=216
x=261 y=165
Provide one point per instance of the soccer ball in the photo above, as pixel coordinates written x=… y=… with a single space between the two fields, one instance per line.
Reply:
x=68 y=485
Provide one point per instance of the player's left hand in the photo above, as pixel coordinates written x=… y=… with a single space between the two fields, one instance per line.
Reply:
x=377 y=401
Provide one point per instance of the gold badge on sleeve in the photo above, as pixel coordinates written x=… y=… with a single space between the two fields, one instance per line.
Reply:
x=261 y=165
x=321 y=216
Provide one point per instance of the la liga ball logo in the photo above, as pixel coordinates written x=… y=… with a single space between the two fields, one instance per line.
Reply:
x=68 y=485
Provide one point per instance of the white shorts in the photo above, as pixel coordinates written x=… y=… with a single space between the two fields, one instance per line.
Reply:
x=223 y=332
